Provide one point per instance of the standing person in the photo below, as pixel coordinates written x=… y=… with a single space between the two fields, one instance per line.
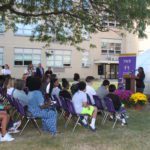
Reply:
x=49 y=72
x=74 y=87
x=39 y=108
x=7 y=70
x=89 y=89
x=3 y=70
x=40 y=71
x=81 y=107
x=30 y=71
x=140 y=80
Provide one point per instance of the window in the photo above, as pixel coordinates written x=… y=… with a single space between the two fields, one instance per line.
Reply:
x=1 y=55
x=23 y=57
x=110 y=47
x=2 y=25
x=25 y=30
x=85 y=59
x=59 y=58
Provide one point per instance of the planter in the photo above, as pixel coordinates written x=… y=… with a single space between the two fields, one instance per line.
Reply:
x=139 y=107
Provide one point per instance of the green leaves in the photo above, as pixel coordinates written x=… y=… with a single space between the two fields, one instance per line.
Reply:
x=65 y=20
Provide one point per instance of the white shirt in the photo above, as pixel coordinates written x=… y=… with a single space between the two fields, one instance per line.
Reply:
x=78 y=99
x=6 y=72
x=10 y=91
x=56 y=91
x=48 y=88
x=3 y=71
x=90 y=91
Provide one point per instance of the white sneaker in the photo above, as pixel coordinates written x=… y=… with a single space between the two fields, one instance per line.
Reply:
x=17 y=124
x=13 y=131
x=7 y=138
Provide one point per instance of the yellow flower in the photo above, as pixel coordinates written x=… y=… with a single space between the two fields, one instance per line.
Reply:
x=138 y=97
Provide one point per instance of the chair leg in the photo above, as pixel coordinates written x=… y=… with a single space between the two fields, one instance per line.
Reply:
x=36 y=125
x=24 y=126
x=76 y=124
x=68 y=120
x=62 y=113
x=114 y=123
x=106 y=116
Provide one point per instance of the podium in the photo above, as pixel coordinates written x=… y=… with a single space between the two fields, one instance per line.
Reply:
x=129 y=82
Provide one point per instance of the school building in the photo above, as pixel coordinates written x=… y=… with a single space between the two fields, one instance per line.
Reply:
x=18 y=51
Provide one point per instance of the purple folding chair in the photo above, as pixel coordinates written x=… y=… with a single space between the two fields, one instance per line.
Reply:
x=111 y=110
x=27 y=116
x=99 y=105
x=58 y=105
x=72 y=112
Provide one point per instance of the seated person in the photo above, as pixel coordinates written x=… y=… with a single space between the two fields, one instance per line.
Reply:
x=4 y=136
x=116 y=102
x=89 y=89
x=74 y=87
x=115 y=98
x=64 y=93
x=18 y=92
x=102 y=91
x=40 y=109
x=9 y=85
x=80 y=104
x=55 y=89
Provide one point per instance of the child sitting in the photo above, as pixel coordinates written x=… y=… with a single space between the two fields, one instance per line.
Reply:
x=80 y=104
x=117 y=103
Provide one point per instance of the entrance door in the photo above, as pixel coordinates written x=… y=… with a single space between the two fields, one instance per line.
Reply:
x=111 y=71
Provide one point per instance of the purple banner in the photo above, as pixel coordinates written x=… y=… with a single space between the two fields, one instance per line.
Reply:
x=127 y=65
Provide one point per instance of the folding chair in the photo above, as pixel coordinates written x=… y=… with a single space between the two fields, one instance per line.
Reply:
x=27 y=116
x=72 y=112
x=99 y=105
x=111 y=110
x=58 y=105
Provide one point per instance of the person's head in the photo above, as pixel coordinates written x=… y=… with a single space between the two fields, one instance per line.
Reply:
x=46 y=78
x=49 y=68
x=56 y=82
x=33 y=83
x=40 y=65
x=19 y=84
x=65 y=83
x=82 y=86
x=89 y=80
x=140 y=70
x=76 y=77
x=6 y=66
x=112 y=88
x=3 y=67
x=10 y=83
x=106 y=83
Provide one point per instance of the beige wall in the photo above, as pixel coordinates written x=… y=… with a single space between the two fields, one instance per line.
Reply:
x=9 y=42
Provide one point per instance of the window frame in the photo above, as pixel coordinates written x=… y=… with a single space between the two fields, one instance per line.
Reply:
x=32 y=53
x=56 y=54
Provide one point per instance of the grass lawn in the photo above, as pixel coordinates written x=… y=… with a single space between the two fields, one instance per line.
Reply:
x=133 y=137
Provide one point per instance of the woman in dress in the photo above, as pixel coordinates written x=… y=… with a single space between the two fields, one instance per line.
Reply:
x=39 y=108
x=140 y=80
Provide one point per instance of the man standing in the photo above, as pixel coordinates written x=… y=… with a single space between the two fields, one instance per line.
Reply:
x=40 y=71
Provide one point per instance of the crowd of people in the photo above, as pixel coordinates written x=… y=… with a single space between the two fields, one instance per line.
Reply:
x=37 y=90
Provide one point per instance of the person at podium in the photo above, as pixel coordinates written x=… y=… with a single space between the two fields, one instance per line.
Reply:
x=140 y=80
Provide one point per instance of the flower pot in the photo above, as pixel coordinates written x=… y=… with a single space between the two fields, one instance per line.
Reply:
x=139 y=107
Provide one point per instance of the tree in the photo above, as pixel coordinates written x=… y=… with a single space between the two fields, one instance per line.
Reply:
x=68 y=20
